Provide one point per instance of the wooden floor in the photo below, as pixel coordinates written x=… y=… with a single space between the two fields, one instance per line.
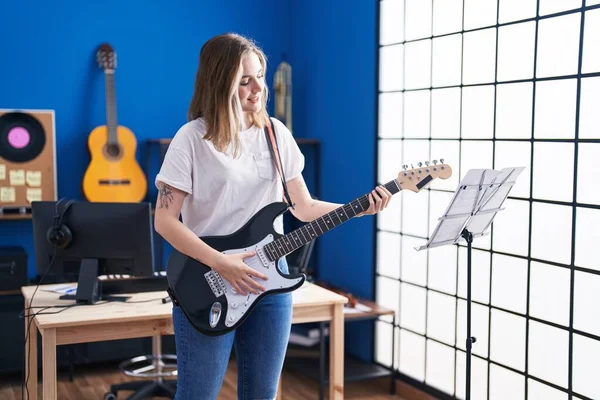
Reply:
x=91 y=382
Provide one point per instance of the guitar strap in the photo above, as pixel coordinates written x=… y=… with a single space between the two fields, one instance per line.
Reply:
x=272 y=141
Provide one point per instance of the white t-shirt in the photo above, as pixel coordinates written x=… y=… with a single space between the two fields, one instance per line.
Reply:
x=224 y=193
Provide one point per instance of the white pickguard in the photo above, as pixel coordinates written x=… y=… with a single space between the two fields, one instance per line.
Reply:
x=239 y=304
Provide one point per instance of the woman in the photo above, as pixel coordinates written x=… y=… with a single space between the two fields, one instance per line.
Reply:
x=217 y=173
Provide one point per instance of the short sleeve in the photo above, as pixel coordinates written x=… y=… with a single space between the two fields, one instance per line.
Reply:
x=176 y=170
x=291 y=156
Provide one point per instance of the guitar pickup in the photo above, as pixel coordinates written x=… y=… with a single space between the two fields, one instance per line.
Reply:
x=262 y=257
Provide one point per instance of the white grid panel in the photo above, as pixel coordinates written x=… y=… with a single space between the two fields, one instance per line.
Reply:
x=493 y=84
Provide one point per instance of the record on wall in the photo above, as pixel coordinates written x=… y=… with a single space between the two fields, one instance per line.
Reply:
x=27 y=160
x=22 y=137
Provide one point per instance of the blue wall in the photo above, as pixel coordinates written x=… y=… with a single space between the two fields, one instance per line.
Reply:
x=333 y=56
x=49 y=63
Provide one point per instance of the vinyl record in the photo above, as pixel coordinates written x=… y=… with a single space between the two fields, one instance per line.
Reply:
x=22 y=137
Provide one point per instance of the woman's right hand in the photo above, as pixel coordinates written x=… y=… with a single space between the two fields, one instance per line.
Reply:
x=232 y=268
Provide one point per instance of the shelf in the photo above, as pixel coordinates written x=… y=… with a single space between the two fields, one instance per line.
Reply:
x=307 y=360
x=307 y=141
x=376 y=311
x=10 y=292
x=159 y=141
x=163 y=141
x=354 y=369
x=15 y=217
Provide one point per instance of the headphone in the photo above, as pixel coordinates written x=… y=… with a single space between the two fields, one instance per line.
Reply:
x=59 y=235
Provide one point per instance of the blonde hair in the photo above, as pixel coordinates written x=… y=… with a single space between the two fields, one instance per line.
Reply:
x=215 y=97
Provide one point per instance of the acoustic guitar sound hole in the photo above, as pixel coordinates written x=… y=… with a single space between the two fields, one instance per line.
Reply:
x=113 y=151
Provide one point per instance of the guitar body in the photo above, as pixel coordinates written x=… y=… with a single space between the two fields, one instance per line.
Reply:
x=113 y=174
x=208 y=301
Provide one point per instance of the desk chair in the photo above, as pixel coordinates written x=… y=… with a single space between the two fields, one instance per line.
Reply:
x=158 y=366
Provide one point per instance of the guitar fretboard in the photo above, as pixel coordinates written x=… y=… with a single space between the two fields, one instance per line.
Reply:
x=111 y=107
x=310 y=231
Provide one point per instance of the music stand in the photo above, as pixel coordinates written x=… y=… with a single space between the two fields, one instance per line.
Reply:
x=477 y=200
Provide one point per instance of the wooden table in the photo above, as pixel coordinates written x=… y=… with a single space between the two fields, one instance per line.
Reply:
x=118 y=320
x=355 y=370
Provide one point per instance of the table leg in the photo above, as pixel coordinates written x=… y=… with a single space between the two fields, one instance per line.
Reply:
x=322 y=358
x=31 y=367
x=49 y=364
x=336 y=353
x=280 y=388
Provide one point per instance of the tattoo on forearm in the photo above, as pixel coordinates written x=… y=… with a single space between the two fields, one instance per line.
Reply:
x=165 y=195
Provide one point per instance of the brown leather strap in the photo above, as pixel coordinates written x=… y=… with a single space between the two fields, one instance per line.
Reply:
x=272 y=141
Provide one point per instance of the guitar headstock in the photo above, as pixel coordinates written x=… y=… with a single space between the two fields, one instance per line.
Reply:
x=415 y=179
x=106 y=57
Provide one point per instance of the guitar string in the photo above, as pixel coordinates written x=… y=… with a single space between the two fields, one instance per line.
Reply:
x=111 y=109
x=323 y=223
x=283 y=245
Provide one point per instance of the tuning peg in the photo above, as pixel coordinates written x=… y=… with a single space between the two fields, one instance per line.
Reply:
x=405 y=167
x=427 y=163
x=442 y=160
x=435 y=162
x=419 y=164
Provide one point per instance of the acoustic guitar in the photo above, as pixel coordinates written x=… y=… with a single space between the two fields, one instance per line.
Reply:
x=209 y=301
x=113 y=174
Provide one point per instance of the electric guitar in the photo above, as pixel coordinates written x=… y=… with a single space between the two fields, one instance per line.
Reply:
x=209 y=301
x=113 y=174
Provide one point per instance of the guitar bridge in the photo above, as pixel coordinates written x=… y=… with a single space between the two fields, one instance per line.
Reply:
x=215 y=282
x=114 y=182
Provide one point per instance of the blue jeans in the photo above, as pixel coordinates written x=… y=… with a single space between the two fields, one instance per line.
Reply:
x=260 y=345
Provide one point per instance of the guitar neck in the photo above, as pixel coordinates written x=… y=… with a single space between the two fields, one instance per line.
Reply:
x=310 y=231
x=111 y=106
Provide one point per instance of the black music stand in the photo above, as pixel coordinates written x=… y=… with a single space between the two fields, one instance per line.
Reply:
x=478 y=198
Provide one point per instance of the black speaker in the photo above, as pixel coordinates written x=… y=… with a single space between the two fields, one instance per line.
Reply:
x=13 y=268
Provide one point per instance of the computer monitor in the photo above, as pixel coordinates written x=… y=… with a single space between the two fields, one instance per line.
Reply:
x=84 y=239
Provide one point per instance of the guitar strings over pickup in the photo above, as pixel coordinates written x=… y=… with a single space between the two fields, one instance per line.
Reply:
x=262 y=257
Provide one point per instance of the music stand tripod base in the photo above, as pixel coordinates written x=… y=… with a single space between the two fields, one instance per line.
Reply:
x=477 y=200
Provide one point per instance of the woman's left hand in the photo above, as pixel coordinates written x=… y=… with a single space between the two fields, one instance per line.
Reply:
x=378 y=200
